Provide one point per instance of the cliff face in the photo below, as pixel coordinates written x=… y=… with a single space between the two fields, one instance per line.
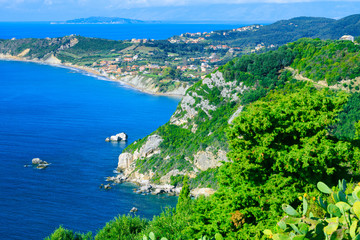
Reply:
x=193 y=142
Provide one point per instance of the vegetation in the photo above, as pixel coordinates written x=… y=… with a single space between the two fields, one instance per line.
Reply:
x=341 y=219
x=289 y=136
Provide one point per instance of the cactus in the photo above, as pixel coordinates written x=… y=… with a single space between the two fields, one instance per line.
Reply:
x=152 y=237
x=341 y=220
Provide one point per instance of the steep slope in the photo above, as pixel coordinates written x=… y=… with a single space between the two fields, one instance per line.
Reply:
x=194 y=141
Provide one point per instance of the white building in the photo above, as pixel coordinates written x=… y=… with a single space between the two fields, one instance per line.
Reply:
x=347 y=37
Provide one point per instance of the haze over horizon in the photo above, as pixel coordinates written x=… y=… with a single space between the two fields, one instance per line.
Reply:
x=245 y=11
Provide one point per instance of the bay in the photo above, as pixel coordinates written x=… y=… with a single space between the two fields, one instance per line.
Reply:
x=63 y=117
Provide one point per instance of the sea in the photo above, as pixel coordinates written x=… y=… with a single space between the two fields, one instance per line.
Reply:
x=63 y=116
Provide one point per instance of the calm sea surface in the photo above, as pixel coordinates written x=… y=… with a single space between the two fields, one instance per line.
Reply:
x=108 y=31
x=63 y=116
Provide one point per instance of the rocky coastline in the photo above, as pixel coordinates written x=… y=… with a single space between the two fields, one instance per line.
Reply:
x=139 y=83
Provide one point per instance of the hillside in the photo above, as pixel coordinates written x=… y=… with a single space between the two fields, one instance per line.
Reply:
x=285 y=31
x=194 y=141
x=170 y=66
x=281 y=137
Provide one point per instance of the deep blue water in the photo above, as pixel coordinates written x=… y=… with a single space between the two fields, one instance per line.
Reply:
x=63 y=117
x=108 y=31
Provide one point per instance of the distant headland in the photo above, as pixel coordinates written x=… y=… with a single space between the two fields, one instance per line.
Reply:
x=103 y=20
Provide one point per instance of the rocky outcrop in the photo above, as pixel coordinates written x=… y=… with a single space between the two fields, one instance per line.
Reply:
x=192 y=101
x=196 y=192
x=125 y=159
x=117 y=138
x=149 y=85
x=150 y=148
x=40 y=164
x=204 y=160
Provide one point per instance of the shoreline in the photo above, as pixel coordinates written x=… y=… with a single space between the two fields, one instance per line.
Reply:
x=88 y=70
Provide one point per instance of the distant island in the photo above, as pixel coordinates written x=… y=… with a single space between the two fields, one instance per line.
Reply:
x=103 y=20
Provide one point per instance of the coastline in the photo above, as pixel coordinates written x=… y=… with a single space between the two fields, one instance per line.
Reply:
x=91 y=71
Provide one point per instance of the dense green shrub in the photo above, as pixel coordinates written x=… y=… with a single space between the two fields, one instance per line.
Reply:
x=122 y=228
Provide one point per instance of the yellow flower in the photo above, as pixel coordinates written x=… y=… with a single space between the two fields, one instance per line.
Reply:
x=305 y=195
x=300 y=198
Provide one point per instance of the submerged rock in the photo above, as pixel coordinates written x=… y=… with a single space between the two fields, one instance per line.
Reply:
x=42 y=166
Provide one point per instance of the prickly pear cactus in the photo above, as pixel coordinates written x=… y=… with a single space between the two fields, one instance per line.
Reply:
x=341 y=220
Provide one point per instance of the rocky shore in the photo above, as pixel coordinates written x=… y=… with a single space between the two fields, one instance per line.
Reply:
x=139 y=83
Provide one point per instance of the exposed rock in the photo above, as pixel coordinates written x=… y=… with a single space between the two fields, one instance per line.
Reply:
x=36 y=161
x=117 y=138
x=107 y=186
x=196 y=192
x=204 y=160
x=52 y=60
x=134 y=209
x=166 y=178
x=40 y=164
x=117 y=179
x=23 y=53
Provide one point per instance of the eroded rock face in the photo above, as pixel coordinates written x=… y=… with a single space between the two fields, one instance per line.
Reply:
x=196 y=192
x=125 y=159
x=193 y=101
x=150 y=148
x=204 y=160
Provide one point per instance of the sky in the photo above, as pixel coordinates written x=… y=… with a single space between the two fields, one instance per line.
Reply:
x=244 y=11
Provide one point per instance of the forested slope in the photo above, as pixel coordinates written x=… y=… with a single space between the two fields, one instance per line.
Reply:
x=288 y=136
x=194 y=142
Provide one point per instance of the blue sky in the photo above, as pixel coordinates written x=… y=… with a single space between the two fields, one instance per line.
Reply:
x=175 y=10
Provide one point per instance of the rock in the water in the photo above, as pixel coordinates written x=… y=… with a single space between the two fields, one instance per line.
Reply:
x=40 y=164
x=117 y=138
x=107 y=186
x=36 y=161
x=134 y=209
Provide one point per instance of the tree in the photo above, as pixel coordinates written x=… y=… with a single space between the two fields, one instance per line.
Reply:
x=184 y=197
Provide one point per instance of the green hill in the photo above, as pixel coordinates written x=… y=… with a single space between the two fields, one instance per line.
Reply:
x=194 y=142
x=284 y=137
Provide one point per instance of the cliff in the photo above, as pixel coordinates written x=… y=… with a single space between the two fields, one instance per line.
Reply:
x=194 y=141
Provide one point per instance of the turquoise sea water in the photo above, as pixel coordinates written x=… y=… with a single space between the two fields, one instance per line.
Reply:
x=63 y=117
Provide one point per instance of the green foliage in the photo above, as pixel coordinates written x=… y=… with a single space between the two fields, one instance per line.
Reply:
x=345 y=128
x=341 y=220
x=122 y=227
x=64 y=234
x=184 y=197
x=327 y=60
x=279 y=148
